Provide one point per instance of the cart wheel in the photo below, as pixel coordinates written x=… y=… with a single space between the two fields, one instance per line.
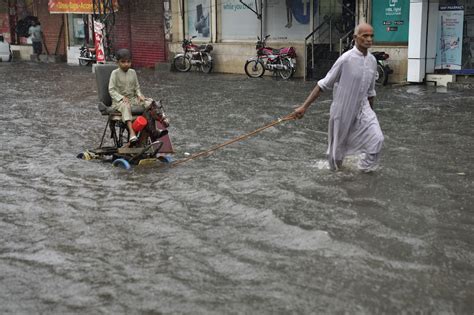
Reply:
x=121 y=163
x=165 y=159
x=84 y=155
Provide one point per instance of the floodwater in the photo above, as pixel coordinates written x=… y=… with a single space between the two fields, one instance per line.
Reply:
x=260 y=226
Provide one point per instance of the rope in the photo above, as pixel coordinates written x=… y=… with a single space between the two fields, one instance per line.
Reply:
x=216 y=147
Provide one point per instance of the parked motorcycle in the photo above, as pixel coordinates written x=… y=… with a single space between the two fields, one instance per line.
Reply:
x=194 y=55
x=281 y=61
x=383 y=69
x=86 y=55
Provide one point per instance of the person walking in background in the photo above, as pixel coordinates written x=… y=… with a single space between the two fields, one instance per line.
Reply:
x=36 y=38
x=5 y=50
x=353 y=125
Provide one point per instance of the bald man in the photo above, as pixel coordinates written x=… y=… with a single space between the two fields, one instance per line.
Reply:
x=353 y=125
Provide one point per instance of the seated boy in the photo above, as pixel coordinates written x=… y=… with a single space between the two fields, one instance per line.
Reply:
x=124 y=90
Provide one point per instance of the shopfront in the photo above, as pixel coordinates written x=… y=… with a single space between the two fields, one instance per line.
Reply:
x=391 y=22
x=233 y=26
x=79 y=25
x=284 y=20
x=455 y=36
x=441 y=39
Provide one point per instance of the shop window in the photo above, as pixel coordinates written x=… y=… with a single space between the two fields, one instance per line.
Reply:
x=237 y=21
x=284 y=19
x=455 y=49
x=78 y=29
x=198 y=18
x=289 y=19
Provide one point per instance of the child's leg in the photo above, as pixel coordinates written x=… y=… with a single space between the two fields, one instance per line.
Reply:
x=130 y=129
x=126 y=110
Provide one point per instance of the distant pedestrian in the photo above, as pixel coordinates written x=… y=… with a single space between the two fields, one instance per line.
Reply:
x=5 y=50
x=36 y=37
x=353 y=125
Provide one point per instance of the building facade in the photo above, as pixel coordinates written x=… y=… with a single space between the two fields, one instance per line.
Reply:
x=441 y=39
x=422 y=37
x=233 y=26
x=67 y=25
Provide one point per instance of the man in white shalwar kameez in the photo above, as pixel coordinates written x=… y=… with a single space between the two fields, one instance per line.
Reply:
x=353 y=125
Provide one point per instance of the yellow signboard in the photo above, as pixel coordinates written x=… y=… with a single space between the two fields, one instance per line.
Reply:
x=74 y=6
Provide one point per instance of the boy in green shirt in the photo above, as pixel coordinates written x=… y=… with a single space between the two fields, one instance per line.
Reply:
x=124 y=90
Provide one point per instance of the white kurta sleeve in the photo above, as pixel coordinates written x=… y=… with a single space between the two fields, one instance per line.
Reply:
x=327 y=83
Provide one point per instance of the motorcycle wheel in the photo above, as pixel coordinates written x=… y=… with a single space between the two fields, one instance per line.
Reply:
x=182 y=63
x=382 y=75
x=206 y=65
x=83 y=62
x=254 y=68
x=288 y=73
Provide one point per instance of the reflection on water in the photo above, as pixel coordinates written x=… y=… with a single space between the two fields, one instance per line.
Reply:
x=259 y=226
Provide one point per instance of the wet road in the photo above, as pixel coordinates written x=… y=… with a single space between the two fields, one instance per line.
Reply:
x=261 y=226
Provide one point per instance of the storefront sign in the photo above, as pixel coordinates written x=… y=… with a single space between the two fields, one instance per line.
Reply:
x=390 y=20
x=450 y=35
x=74 y=6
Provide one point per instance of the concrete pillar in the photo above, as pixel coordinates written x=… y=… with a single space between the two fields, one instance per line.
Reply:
x=432 y=42
x=422 y=36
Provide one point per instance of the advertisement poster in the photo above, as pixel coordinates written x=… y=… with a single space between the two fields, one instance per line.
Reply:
x=289 y=19
x=199 y=18
x=390 y=20
x=450 y=34
x=284 y=19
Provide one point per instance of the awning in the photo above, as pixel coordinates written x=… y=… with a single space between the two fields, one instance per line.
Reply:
x=74 y=6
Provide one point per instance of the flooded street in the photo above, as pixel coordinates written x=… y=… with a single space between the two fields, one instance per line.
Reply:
x=260 y=226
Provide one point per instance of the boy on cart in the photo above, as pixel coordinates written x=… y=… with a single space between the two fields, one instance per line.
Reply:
x=124 y=90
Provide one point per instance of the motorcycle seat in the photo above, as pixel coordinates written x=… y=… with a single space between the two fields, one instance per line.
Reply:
x=102 y=75
x=206 y=47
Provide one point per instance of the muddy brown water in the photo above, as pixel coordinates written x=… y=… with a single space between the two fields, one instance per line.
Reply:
x=260 y=226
